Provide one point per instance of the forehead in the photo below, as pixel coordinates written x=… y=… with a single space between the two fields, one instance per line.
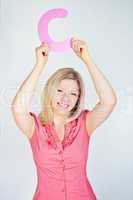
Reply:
x=69 y=83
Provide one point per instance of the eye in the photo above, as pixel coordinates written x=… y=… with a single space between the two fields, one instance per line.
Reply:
x=74 y=94
x=59 y=90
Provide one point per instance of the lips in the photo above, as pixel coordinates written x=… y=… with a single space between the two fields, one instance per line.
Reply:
x=64 y=105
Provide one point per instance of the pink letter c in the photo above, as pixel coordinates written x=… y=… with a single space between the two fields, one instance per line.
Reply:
x=43 y=30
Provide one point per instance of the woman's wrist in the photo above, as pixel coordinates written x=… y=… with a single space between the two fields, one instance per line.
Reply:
x=87 y=59
x=39 y=65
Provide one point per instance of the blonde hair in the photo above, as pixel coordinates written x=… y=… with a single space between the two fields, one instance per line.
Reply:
x=46 y=114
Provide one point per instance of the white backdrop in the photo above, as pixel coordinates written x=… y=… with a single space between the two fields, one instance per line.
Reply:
x=107 y=27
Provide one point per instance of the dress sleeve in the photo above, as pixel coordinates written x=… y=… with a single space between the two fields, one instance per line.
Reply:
x=37 y=129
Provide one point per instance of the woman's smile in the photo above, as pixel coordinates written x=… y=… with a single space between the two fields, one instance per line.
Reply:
x=63 y=105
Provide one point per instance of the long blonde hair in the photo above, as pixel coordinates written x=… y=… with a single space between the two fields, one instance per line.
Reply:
x=46 y=114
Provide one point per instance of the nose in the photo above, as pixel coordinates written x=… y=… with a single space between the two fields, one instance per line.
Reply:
x=65 y=98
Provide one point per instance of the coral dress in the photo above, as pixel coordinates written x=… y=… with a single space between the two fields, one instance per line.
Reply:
x=61 y=165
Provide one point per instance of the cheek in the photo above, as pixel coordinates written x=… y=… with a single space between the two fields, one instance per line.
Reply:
x=74 y=100
x=56 y=98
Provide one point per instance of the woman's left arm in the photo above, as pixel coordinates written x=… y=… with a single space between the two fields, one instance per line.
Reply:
x=106 y=94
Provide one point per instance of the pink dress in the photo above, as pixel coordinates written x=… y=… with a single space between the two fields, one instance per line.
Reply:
x=61 y=165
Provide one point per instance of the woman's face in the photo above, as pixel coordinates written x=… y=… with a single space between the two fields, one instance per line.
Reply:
x=66 y=96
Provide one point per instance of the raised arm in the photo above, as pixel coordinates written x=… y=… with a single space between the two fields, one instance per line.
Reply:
x=22 y=99
x=104 y=90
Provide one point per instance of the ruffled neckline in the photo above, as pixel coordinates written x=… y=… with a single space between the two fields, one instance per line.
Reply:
x=71 y=130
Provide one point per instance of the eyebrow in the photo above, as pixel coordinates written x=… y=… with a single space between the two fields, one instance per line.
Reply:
x=76 y=90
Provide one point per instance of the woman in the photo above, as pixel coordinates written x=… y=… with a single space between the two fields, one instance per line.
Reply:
x=59 y=136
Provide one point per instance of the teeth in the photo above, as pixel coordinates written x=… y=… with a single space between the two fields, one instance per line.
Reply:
x=63 y=105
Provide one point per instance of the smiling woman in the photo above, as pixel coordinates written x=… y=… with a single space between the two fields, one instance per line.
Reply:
x=71 y=95
x=62 y=96
x=59 y=136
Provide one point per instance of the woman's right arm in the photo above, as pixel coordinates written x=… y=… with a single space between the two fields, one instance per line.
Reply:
x=22 y=99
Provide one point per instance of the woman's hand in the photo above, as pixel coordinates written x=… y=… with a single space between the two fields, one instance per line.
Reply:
x=80 y=48
x=42 y=53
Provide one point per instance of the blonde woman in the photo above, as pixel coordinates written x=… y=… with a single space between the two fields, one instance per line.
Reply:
x=59 y=135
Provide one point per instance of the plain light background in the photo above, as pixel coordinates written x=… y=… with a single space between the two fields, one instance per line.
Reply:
x=107 y=27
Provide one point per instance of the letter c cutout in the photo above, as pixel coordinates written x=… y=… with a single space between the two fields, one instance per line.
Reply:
x=43 y=30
